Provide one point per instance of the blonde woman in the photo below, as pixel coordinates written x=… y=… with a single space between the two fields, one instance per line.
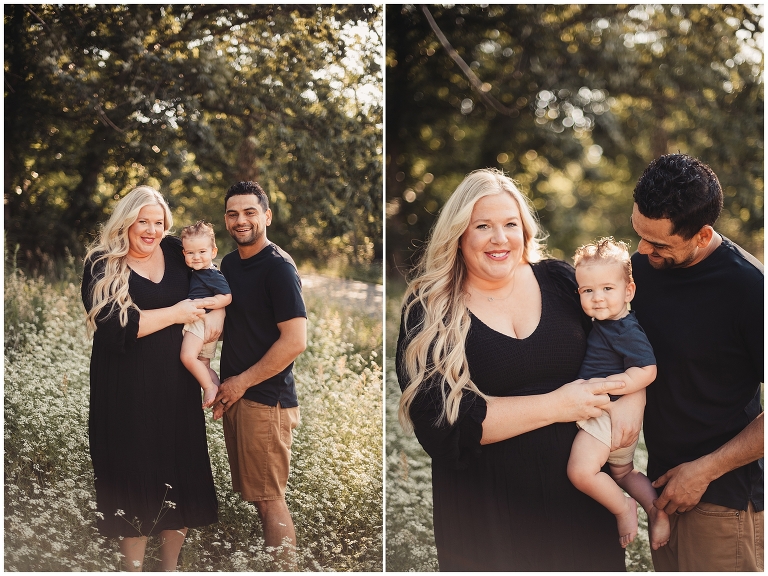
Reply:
x=491 y=341
x=146 y=427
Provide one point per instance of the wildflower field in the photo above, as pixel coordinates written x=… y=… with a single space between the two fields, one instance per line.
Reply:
x=334 y=492
x=410 y=537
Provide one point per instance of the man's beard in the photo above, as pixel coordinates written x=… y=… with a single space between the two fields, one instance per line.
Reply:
x=668 y=263
x=248 y=240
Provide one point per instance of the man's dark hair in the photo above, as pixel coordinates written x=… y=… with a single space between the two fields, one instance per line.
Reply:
x=249 y=187
x=682 y=189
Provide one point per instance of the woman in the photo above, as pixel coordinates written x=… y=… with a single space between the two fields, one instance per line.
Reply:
x=490 y=335
x=146 y=426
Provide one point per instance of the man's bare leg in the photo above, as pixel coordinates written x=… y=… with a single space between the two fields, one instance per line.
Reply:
x=278 y=526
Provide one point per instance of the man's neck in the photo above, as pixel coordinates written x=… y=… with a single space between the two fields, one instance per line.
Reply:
x=714 y=244
x=252 y=249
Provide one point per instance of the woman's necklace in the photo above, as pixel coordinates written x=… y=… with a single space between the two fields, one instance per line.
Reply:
x=497 y=298
x=145 y=266
x=134 y=260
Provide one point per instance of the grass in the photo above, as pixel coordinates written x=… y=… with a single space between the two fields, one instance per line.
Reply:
x=334 y=492
x=410 y=537
x=370 y=272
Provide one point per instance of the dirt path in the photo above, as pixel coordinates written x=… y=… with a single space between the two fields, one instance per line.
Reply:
x=370 y=297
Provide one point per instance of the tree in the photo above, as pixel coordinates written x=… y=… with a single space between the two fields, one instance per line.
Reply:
x=101 y=98
x=573 y=102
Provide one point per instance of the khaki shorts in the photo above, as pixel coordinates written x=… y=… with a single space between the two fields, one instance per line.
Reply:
x=258 y=439
x=198 y=329
x=600 y=428
x=712 y=538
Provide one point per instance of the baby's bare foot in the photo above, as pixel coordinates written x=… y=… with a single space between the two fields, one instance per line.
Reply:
x=658 y=527
x=209 y=395
x=627 y=522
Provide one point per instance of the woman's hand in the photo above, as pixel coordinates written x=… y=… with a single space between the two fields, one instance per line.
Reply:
x=188 y=310
x=582 y=399
x=510 y=416
x=184 y=312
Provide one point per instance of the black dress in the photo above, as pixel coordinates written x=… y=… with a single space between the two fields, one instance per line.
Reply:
x=509 y=505
x=146 y=425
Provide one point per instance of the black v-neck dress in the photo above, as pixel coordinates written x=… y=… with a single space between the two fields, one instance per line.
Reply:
x=146 y=425
x=509 y=505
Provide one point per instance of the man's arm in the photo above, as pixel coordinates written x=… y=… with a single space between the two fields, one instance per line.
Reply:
x=685 y=484
x=291 y=343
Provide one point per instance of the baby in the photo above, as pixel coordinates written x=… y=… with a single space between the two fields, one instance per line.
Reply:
x=199 y=246
x=617 y=350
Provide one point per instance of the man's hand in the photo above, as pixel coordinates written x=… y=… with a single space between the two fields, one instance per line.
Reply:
x=230 y=391
x=626 y=419
x=291 y=343
x=684 y=486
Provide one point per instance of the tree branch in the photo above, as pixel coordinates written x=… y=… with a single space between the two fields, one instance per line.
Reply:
x=482 y=89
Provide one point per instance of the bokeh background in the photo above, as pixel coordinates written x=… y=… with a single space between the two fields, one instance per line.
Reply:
x=191 y=99
x=573 y=102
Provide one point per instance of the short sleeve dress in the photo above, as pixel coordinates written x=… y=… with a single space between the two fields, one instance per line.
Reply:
x=146 y=426
x=509 y=506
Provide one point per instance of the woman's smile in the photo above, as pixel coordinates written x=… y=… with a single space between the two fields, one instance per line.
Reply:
x=145 y=233
x=492 y=245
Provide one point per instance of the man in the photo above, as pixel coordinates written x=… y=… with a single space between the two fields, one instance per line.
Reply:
x=264 y=331
x=700 y=301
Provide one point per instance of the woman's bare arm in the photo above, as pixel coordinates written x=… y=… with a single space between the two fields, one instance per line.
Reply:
x=150 y=321
x=507 y=417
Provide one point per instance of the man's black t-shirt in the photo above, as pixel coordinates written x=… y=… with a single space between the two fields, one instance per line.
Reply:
x=266 y=290
x=705 y=324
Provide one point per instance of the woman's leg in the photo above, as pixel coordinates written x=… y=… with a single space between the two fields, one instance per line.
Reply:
x=170 y=546
x=588 y=455
x=132 y=550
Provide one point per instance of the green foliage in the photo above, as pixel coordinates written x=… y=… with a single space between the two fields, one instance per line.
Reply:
x=335 y=487
x=410 y=535
x=575 y=101
x=190 y=99
x=371 y=273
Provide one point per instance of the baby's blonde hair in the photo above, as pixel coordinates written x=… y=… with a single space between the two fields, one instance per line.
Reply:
x=199 y=228
x=605 y=250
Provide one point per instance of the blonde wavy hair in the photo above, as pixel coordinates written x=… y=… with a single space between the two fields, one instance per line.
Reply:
x=605 y=250
x=110 y=289
x=437 y=343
